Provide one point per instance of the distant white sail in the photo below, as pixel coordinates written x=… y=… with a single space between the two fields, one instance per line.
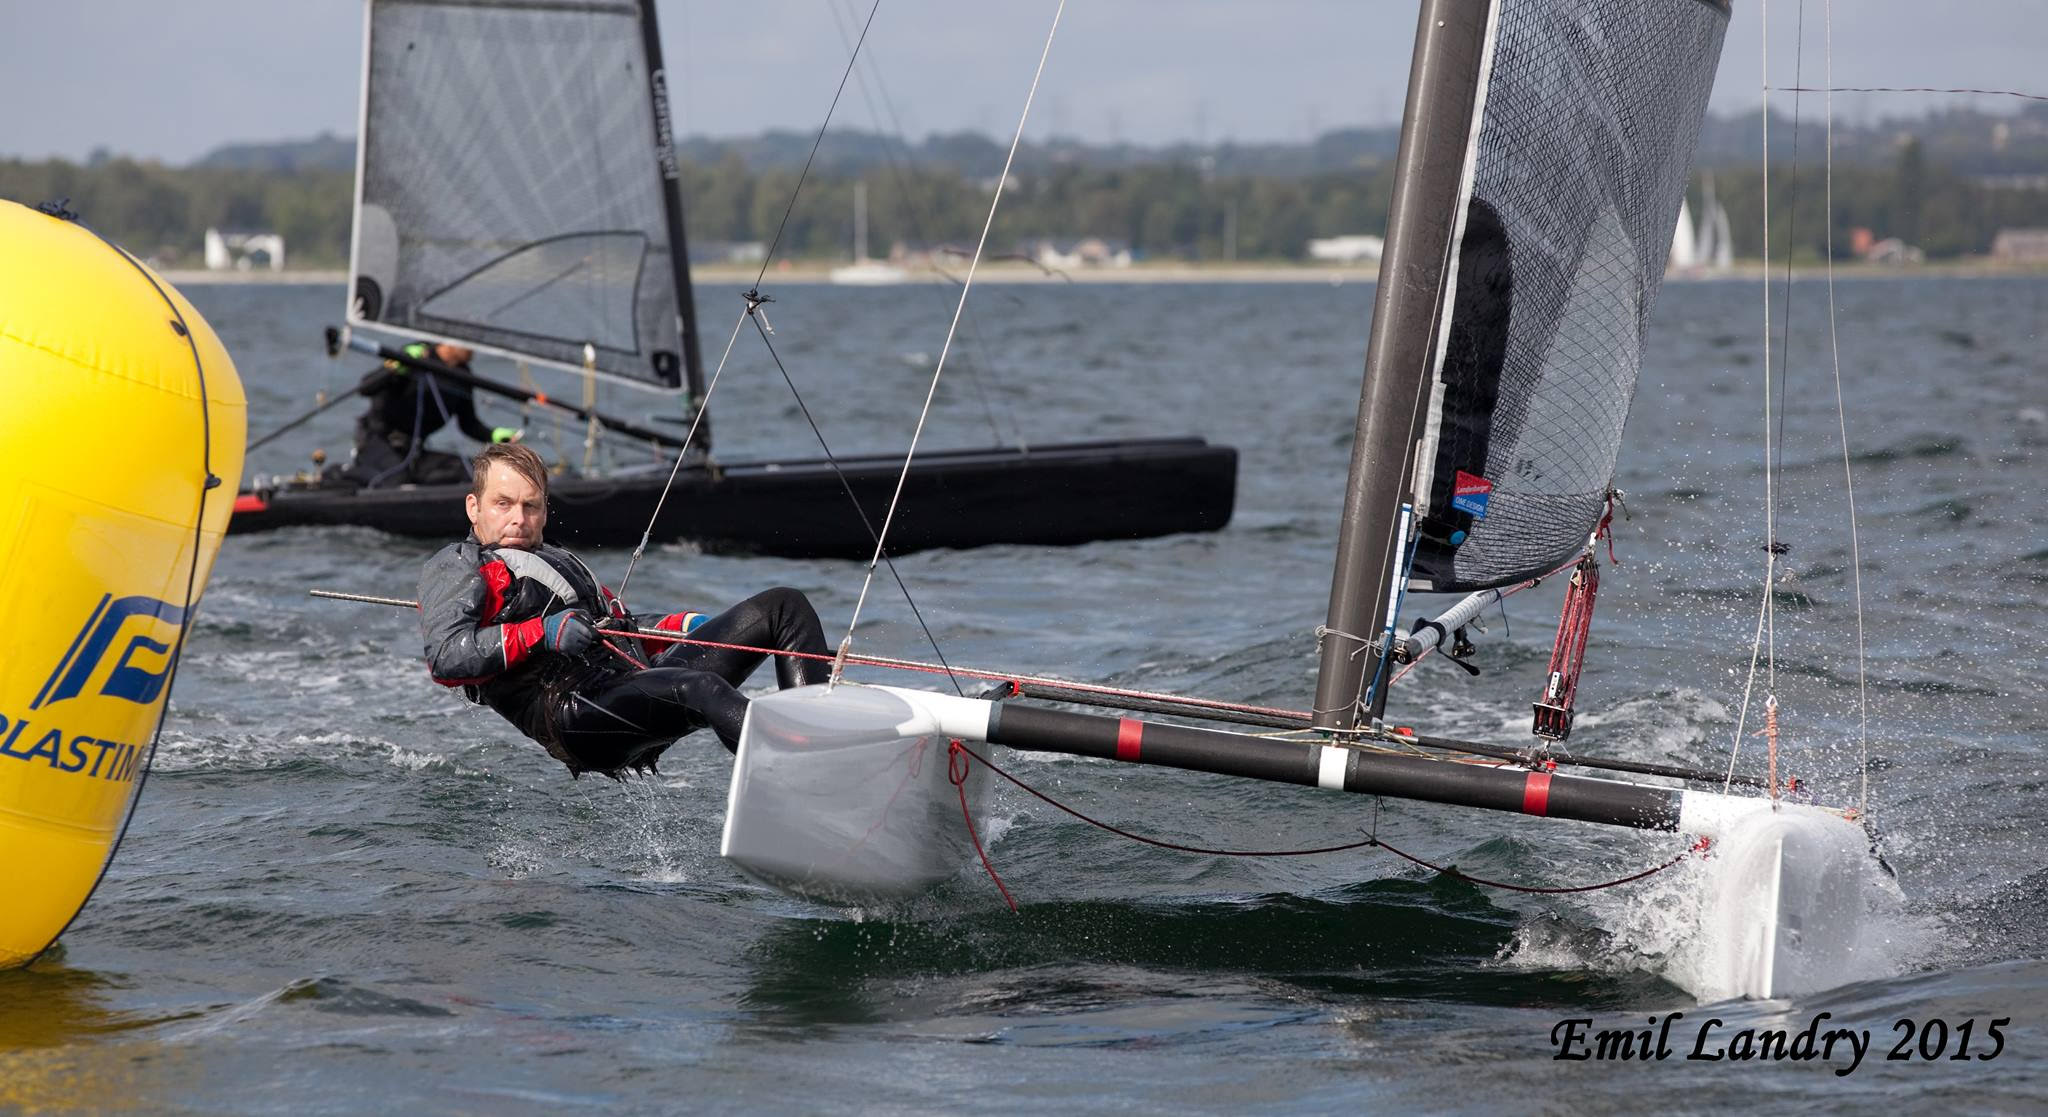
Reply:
x=1717 y=245
x=1685 y=247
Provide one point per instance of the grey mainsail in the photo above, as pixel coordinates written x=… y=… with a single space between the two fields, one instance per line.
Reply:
x=1581 y=142
x=516 y=186
x=1543 y=160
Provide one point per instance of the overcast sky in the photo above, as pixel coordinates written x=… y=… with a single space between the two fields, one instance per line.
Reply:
x=173 y=79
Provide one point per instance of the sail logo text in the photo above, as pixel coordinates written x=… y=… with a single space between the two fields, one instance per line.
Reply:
x=95 y=640
x=664 y=135
x=1470 y=494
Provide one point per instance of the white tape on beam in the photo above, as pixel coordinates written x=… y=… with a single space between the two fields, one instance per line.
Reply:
x=1330 y=765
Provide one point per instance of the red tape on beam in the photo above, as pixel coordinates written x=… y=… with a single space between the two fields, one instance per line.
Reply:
x=1130 y=735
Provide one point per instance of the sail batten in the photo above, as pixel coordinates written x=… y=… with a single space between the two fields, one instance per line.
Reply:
x=1582 y=136
x=515 y=191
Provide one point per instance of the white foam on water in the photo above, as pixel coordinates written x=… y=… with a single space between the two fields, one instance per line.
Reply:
x=671 y=852
x=186 y=752
x=515 y=859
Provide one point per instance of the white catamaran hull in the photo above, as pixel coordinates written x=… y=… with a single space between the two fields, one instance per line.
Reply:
x=1786 y=911
x=845 y=794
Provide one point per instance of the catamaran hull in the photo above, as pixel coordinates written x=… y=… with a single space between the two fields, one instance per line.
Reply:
x=1785 y=910
x=848 y=795
x=1063 y=494
x=841 y=794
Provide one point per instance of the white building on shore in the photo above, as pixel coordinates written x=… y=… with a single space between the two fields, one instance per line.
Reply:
x=1357 y=248
x=243 y=251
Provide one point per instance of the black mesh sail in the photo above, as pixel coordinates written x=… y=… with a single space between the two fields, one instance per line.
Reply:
x=514 y=192
x=1580 y=147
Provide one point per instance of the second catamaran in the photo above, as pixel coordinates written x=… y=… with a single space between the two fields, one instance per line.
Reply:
x=517 y=194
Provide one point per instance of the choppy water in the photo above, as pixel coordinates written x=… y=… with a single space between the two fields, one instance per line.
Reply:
x=346 y=891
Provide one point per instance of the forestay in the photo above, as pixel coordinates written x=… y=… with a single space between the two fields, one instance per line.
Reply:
x=1581 y=141
x=516 y=186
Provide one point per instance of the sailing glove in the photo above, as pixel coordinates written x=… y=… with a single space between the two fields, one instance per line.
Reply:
x=568 y=631
x=506 y=434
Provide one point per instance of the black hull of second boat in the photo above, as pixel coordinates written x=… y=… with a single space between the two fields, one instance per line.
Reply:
x=1053 y=495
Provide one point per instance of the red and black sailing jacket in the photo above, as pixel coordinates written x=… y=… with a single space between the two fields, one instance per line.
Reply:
x=481 y=614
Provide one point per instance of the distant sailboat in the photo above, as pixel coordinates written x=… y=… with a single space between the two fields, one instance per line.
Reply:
x=1716 y=246
x=1685 y=244
x=864 y=272
x=1705 y=246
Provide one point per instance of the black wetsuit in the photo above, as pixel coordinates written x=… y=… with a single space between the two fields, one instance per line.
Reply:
x=406 y=406
x=623 y=702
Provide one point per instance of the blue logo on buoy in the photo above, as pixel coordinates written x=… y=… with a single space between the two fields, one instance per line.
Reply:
x=91 y=645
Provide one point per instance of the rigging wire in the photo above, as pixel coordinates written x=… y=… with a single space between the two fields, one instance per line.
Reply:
x=1770 y=450
x=703 y=408
x=1833 y=88
x=870 y=87
x=754 y=301
x=753 y=304
x=1766 y=642
x=839 y=663
x=847 y=486
x=1372 y=840
x=1774 y=468
x=1791 y=239
x=805 y=174
x=1748 y=687
x=1842 y=418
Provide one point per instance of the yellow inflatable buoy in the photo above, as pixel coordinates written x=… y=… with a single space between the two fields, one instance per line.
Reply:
x=121 y=431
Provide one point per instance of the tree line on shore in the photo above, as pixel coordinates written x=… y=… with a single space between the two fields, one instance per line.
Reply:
x=1181 y=210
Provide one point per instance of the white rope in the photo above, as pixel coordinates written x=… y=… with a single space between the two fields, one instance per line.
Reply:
x=1765 y=644
x=1742 y=713
x=1770 y=469
x=703 y=406
x=1842 y=418
x=881 y=537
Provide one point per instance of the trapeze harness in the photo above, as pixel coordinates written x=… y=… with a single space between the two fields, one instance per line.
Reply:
x=622 y=703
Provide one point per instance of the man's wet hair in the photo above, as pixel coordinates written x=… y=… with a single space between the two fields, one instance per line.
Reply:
x=518 y=458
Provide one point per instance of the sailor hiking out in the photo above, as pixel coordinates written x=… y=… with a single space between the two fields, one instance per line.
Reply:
x=525 y=628
x=407 y=405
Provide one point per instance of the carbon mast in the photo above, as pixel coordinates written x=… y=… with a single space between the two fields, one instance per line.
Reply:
x=1443 y=85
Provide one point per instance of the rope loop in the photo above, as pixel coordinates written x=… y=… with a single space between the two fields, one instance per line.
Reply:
x=959 y=763
x=1365 y=644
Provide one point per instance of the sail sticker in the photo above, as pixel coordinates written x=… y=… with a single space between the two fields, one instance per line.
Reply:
x=1470 y=493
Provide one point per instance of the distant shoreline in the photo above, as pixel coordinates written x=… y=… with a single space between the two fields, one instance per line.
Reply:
x=808 y=272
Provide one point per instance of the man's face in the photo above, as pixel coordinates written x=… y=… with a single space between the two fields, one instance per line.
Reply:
x=511 y=513
x=452 y=354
